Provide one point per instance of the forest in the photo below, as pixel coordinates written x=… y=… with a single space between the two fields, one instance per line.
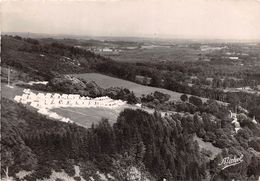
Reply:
x=161 y=147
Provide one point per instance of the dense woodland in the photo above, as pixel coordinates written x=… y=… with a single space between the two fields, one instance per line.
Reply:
x=162 y=146
x=175 y=81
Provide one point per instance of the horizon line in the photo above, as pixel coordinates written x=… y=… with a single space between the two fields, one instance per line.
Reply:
x=158 y=37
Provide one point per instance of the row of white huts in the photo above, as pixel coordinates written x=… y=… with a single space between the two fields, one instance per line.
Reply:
x=55 y=100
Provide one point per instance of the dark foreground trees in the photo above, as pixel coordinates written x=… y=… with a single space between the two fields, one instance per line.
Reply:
x=41 y=144
x=163 y=146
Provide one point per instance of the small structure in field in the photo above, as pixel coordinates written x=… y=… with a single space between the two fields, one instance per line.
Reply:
x=56 y=96
x=235 y=121
x=27 y=91
x=48 y=101
x=40 y=95
x=254 y=121
x=43 y=111
x=48 y=95
x=64 y=96
x=35 y=104
x=18 y=98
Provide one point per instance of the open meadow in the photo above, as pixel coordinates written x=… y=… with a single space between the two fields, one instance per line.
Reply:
x=87 y=116
x=105 y=81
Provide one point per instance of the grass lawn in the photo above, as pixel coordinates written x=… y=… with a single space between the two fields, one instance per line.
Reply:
x=87 y=116
x=10 y=93
x=105 y=81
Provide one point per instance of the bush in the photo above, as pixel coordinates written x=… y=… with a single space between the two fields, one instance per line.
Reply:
x=196 y=101
x=184 y=97
x=32 y=41
x=161 y=96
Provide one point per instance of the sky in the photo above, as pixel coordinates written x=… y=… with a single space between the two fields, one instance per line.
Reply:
x=203 y=19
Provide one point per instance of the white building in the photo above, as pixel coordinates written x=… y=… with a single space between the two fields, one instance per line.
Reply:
x=86 y=102
x=18 y=98
x=55 y=115
x=43 y=111
x=56 y=102
x=80 y=102
x=83 y=98
x=66 y=120
x=102 y=98
x=64 y=96
x=254 y=121
x=233 y=58
x=25 y=96
x=106 y=49
x=48 y=95
x=34 y=104
x=32 y=96
x=64 y=102
x=41 y=103
x=73 y=96
x=76 y=96
x=41 y=95
x=139 y=105
x=72 y=102
x=56 y=96
x=27 y=91
x=236 y=123
x=48 y=101
x=38 y=82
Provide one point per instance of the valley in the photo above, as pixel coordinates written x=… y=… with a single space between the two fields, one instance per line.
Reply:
x=66 y=106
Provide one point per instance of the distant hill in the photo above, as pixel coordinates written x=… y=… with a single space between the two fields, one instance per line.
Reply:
x=46 y=58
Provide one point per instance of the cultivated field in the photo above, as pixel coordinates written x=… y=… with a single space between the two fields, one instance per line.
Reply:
x=139 y=90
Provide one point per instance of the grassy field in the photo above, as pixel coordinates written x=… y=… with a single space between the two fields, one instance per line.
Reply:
x=10 y=93
x=156 y=54
x=139 y=90
x=87 y=116
x=81 y=116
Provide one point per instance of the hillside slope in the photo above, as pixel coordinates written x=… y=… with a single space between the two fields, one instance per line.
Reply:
x=30 y=55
